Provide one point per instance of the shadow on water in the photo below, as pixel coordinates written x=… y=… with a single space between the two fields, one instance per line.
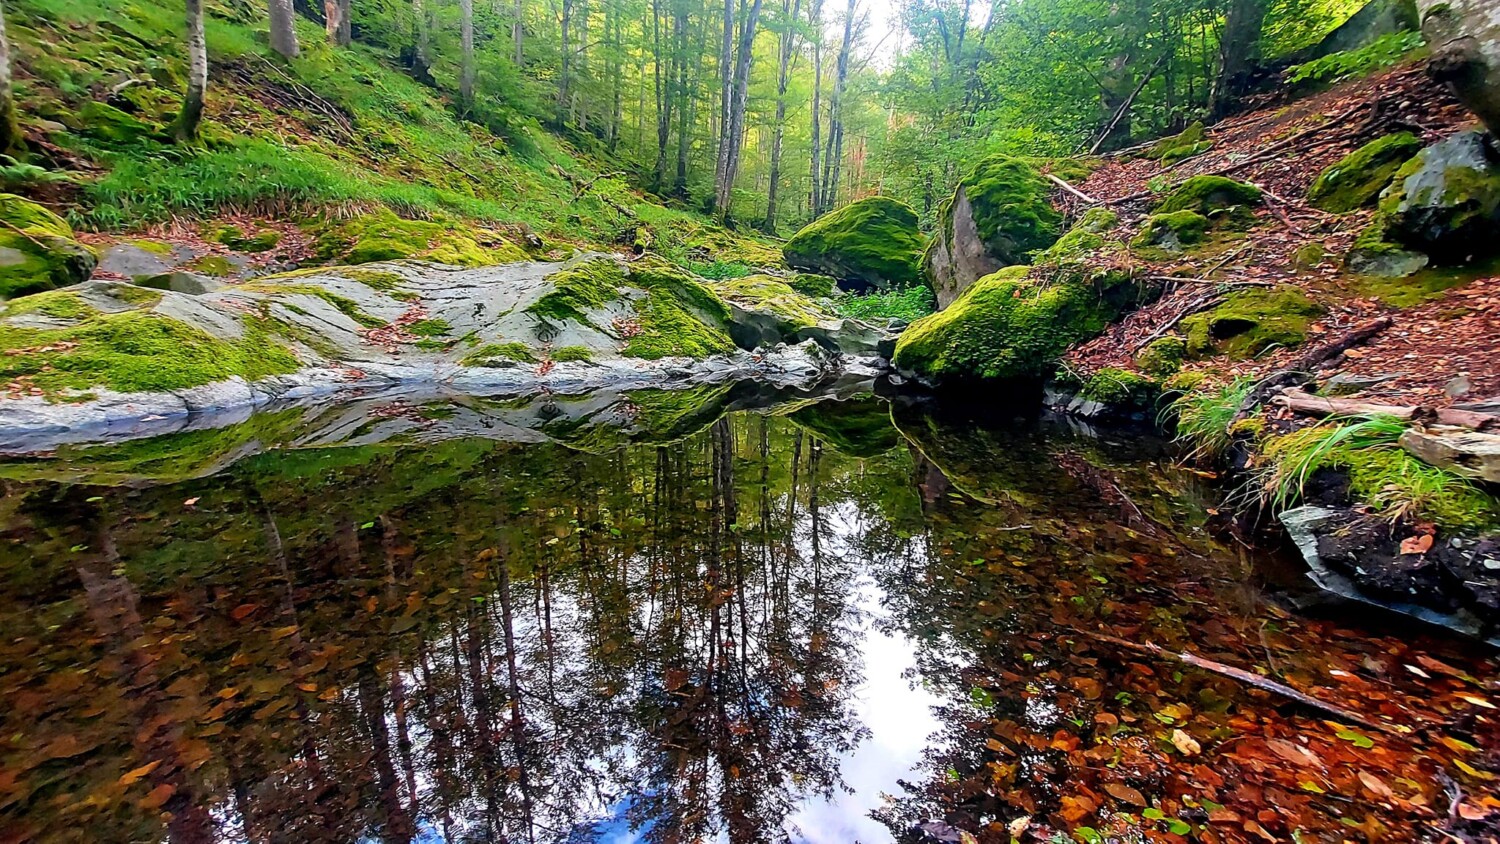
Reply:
x=706 y=615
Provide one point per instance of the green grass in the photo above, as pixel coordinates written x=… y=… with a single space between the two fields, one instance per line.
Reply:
x=908 y=303
x=1380 y=473
x=1204 y=418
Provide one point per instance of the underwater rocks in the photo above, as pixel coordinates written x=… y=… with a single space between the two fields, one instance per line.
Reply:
x=873 y=242
x=112 y=356
x=998 y=216
x=37 y=250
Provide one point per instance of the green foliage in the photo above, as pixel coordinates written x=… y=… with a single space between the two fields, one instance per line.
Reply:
x=1380 y=473
x=873 y=240
x=1357 y=179
x=859 y=428
x=1378 y=54
x=1204 y=417
x=907 y=304
x=1251 y=322
x=721 y=269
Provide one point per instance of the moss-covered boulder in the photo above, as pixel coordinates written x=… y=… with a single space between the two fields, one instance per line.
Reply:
x=382 y=236
x=1446 y=201
x=37 y=250
x=1086 y=236
x=873 y=242
x=1172 y=231
x=1374 y=254
x=1188 y=143
x=1162 y=357
x=1251 y=322
x=1121 y=391
x=1210 y=196
x=1000 y=214
x=1357 y=179
x=104 y=122
x=1005 y=326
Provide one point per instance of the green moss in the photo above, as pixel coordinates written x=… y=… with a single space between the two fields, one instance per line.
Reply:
x=679 y=315
x=435 y=327
x=37 y=250
x=1171 y=231
x=873 y=240
x=811 y=284
x=859 y=428
x=578 y=289
x=382 y=236
x=1209 y=195
x=58 y=304
x=1373 y=254
x=488 y=354
x=1445 y=200
x=381 y=280
x=1121 y=389
x=565 y=354
x=1190 y=142
x=107 y=123
x=1251 y=322
x=768 y=293
x=348 y=307
x=1357 y=179
x=1162 y=357
x=1012 y=208
x=212 y=265
x=234 y=237
x=1086 y=236
x=1001 y=327
x=136 y=351
x=155 y=247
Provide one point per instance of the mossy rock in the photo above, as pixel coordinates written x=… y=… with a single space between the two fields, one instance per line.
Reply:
x=812 y=284
x=1172 y=231
x=37 y=250
x=1357 y=179
x=107 y=123
x=773 y=296
x=1373 y=254
x=1086 y=236
x=235 y=238
x=1012 y=208
x=859 y=428
x=1210 y=196
x=1121 y=389
x=873 y=241
x=216 y=266
x=1162 y=357
x=1251 y=322
x=382 y=236
x=679 y=316
x=1186 y=144
x=1005 y=326
x=1445 y=202
x=500 y=355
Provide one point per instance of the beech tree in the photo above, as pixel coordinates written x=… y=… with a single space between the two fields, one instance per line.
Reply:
x=788 y=45
x=10 y=133
x=186 y=127
x=336 y=19
x=283 y=34
x=466 y=71
x=1465 y=39
x=733 y=135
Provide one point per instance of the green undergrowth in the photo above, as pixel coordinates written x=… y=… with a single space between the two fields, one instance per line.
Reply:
x=1379 y=471
x=135 y=350
x=1204 y=417
x=1381 y=53
x=907 y=304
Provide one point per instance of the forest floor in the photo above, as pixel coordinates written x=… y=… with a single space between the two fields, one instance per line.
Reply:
x=1443 y=323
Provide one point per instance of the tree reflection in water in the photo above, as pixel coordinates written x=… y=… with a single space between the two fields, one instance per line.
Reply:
x=471 y=640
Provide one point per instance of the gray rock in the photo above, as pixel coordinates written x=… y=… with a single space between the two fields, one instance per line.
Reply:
x=960 y=256
x=1446 y=201
x=1386 y=261
x=181 y=281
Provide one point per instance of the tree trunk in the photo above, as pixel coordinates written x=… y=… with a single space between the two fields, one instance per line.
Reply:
x=1465 y=39
x=815 y=201
x=186 y=127
x=466 y=71
x=683 y=85
x=10 y=132
x=835 y=149
x=726 y=87
x=662 y=78
x=789 y=12
x=283 y=35
x=515 y=33
x=422 y=41
x=734 y=137
x=1239 y=49
x=564 y=79
x=337 y=23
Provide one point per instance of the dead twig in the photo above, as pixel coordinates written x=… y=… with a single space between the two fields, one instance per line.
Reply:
x=1075 y=191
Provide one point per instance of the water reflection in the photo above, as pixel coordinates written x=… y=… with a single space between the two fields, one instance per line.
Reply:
x=759 y=626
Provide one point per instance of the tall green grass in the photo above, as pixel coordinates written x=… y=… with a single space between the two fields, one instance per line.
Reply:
x=1204 y=418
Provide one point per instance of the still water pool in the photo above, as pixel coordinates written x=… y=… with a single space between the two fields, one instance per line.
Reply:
x=689 y=617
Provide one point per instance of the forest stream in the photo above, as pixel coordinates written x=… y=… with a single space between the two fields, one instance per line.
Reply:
x=811 y=621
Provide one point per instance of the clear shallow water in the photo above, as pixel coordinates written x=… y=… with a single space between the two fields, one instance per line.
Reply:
x=804 y=622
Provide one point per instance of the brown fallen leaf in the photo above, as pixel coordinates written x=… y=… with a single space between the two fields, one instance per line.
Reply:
x=134 y=776
x=1419 y=544
x=1294 y=753
x=1376 y=786
x=1125 y=793
x=158 y=796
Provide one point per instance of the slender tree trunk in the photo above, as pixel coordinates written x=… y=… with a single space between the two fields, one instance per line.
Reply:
x=815 y=202
x=1239 y=48
x=734 y=138
x=466 y=71
x=10 y=132
x=662 y=78
x=564 y=79
x=186 y=128
x=577 y=104
x=834 y=153
x=789 y=12
x=283 y=34
x=726 y=86
x=337 y=23
x=515 y=33
x=683 y=85
x=421 y=41
x=615 y=69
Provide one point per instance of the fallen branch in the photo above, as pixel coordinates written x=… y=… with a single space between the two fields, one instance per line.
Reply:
x=1301 y=369
x=1213 y=281
x=1196 y=307
x=1265 y=684
x=1306 y=404
x=1075 y=191
x=1125 y=106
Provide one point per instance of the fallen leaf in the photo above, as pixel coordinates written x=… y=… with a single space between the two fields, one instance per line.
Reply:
x=1185 y=744
x=132 y=777
x=191 y=501
x=1419 y=544
x=1125 y=793
x=1018 y=827
x=1376 y=786
x=159 y=795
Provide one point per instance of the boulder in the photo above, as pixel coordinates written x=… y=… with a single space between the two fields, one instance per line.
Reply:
x=1375 y=19
x=1357 y=179
x=871 y=243
x=1173 y=231
x=1250 y=322
x=1209 y=196
x=998 y=216
x=765 y=310
x=1445 y=202
x=37 y=250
